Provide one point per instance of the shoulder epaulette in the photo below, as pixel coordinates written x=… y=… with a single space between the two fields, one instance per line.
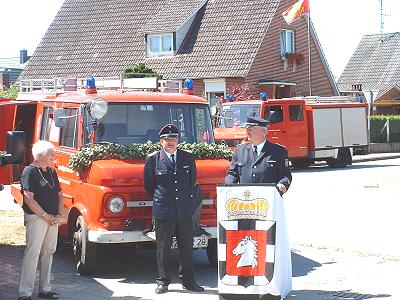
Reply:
x=152 y=153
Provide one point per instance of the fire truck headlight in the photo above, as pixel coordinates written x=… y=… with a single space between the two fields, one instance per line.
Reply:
x=97 y=108
x=116 y=205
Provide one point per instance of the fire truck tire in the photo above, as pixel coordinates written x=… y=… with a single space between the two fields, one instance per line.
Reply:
x=301 y=163
x=342 y=159
x=84 y=252
x=212 y=252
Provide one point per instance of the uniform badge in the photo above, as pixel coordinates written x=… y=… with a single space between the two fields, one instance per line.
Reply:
x=286 y=163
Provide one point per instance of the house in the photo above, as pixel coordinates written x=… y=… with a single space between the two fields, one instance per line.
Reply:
x=374 y=69
x=11 y=68
x=217 y=43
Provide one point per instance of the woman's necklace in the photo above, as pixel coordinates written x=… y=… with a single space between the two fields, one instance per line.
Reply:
x=51 y=175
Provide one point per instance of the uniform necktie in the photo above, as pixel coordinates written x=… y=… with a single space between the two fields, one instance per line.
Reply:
x=173 y=160
x=255 y=151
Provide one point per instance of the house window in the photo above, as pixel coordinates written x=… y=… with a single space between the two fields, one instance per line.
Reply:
x=287 y=41
x=161 y=44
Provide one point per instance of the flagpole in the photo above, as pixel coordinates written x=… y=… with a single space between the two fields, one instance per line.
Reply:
x=309 y=49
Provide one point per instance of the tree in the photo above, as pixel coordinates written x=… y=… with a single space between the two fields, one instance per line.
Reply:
x=140 y=70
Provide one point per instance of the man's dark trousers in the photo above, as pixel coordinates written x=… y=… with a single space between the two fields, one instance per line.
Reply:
x=165 y=230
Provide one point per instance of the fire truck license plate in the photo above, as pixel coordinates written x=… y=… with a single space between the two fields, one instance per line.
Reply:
x=198 y=242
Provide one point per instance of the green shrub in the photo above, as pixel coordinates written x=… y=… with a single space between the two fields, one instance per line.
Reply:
x=378 y=130
x=12 y=92
x=86 y=156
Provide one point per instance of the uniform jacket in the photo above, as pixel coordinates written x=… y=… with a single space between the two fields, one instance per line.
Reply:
x=271 y=165
x=172 y=190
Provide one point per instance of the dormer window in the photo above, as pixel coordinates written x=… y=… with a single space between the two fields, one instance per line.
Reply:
x=160 y=44
x=287 y=41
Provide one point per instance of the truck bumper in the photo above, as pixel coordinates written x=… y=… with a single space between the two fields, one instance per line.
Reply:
x=110 y=237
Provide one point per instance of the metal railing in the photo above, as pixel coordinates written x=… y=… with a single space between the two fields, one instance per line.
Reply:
x=61 y=85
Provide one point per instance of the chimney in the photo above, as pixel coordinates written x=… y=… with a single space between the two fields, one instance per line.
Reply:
x=23 y=56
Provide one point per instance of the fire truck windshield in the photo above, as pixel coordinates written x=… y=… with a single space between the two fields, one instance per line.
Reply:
x=127 y=123
x=238 y=112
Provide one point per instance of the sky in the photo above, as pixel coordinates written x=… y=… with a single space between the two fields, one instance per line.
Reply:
x=340 y=25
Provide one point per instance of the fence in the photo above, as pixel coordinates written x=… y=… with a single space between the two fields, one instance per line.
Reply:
x=385 y=129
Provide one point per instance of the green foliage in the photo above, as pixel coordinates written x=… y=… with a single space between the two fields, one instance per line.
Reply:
x=86 y=156
x=140 y=70
x=378 y=130
x=12 y=92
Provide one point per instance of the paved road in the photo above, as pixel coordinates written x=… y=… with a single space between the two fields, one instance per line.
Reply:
x=353 y=209
x=334 y=272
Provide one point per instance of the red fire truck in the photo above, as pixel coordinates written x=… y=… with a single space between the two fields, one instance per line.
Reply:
x=106 y=203
x=311 y=129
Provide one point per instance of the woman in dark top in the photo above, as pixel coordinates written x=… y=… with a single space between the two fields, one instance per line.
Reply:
x=43 y=205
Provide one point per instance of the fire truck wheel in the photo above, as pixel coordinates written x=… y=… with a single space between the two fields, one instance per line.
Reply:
x=212 y=252
x=84 y=251
x=301 y=163
x=341 y=161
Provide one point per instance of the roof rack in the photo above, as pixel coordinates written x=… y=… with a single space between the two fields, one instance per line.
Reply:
x=62 y=85
x=331 y=99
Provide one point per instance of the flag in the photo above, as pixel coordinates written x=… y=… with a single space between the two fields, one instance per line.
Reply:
x=295 y=11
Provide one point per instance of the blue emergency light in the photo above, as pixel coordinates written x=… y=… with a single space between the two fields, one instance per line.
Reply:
x=229 y=98
x=263 y=96
x=188 y=87
x=91 y=85
x=188 y=84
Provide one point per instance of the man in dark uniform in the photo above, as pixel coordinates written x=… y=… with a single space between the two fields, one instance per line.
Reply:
x=259 y=161
x=169 y=176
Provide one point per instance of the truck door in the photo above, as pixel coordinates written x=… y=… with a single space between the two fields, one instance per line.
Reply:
x=16 y=115
x=297 y=133
x=277 y=132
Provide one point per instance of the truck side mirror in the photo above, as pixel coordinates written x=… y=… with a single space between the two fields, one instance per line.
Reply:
x=15 y=148
x=60 y=117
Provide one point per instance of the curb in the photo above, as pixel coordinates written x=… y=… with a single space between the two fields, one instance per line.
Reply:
x=377 y=156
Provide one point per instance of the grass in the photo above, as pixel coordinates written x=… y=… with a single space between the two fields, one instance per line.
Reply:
x=12 y=230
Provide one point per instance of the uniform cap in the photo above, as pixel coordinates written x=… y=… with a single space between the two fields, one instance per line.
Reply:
x=169 y=131
x=255 y=121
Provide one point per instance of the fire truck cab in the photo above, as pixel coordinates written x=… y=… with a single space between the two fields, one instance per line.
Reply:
x=311 y=129
x=106 y=203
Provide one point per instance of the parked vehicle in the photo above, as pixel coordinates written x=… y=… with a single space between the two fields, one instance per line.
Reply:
x=106 y=202
x=311 y=129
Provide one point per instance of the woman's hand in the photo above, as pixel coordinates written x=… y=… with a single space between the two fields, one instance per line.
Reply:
x=52 y=220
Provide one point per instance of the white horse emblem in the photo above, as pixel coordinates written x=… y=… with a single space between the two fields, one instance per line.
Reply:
x=247 y=248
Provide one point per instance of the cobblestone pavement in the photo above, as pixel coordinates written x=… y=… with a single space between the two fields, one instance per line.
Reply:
x=318 y=274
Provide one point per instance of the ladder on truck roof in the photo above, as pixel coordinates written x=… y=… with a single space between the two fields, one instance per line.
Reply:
x=330 y=99
x=62 y=85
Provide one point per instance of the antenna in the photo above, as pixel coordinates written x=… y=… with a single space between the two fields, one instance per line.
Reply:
x=382 y=18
